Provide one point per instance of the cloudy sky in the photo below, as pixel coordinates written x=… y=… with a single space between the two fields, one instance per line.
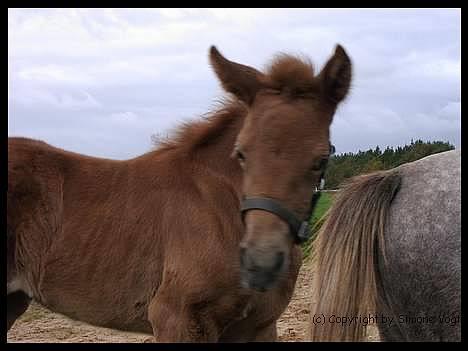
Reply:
x=102 y=81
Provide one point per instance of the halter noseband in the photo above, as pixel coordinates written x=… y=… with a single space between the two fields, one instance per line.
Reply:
x=299 y=229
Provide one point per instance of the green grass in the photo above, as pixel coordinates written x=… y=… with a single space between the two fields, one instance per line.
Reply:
x=316 y=220
x=323 y=205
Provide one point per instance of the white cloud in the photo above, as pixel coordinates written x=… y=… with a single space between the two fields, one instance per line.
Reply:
x=451 y=111
x=125 y=74
x=54 y=74
x=78 y=100
x=124 y=117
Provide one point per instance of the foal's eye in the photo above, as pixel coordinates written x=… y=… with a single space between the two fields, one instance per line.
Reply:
x=241 y=157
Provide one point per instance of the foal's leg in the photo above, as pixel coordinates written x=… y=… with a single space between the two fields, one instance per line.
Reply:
x=173 y=321
x=17 y=304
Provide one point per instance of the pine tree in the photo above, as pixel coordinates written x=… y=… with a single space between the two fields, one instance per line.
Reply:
x=348 y=164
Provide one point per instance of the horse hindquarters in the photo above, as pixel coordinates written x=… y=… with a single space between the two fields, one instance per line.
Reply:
x=421 y=280
x=420 y=292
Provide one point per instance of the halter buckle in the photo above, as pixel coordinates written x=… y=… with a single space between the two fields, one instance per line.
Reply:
x=304 y=232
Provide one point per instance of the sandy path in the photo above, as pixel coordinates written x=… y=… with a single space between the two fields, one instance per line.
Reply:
x=40 y=325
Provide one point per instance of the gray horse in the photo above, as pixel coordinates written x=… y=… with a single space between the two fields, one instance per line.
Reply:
x=389 y=254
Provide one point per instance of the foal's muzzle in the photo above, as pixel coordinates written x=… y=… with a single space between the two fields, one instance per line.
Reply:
x=260 y=278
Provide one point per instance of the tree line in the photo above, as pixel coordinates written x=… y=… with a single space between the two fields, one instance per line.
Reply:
x=343 y=166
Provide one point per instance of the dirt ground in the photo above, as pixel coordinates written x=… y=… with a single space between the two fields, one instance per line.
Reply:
x=40 y=325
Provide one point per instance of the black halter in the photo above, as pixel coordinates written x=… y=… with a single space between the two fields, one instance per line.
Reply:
x=299 y=229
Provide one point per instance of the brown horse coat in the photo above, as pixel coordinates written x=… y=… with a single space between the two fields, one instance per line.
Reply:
x=106 y=241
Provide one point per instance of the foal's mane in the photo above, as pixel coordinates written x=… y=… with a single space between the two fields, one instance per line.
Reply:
x=286 y=74
x=193 y=134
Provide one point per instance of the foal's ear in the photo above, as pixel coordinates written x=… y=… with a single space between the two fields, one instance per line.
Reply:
x=335 y=77
x=240 y=80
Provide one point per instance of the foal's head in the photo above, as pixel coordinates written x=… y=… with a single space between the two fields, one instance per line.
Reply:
x=282 y=148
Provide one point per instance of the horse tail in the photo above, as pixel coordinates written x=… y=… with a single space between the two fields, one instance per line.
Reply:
x=346 y=252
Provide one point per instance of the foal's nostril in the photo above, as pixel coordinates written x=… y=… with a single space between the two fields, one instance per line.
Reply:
x=279 y=261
